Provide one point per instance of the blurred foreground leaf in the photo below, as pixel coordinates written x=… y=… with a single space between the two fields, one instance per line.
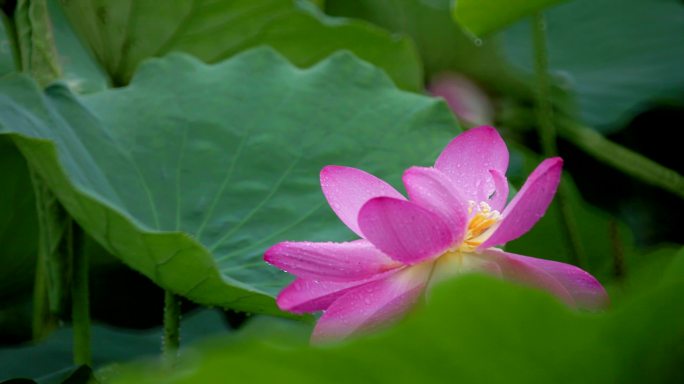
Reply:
x=474 y=330
x=189 y=180
x=123 y=33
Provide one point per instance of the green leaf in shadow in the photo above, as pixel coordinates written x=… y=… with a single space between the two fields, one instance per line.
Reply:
x=442 y=44
x=481 y=17
x=51 y=360
x=18 y=233
x=123 y=33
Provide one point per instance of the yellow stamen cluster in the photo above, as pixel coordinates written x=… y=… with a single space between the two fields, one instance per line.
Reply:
x=482 y=221
x=480 y=227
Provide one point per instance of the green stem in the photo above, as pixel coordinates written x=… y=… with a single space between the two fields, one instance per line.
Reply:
x=171 y=341
x=569 y=225
x=606 y=151
x=44 y=318
x=547 y=133
x=544 y=109
x=621 y=158
x=36 y=41
x=30 y=38
x=80 y=306
x=618 y=250
x=42 y=323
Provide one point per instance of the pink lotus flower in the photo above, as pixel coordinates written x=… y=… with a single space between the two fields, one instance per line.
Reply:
x=454 y=218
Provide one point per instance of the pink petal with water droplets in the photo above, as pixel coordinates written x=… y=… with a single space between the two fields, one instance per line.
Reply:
x=431 y=189
x=348 y=189
x=529 y=205
x=371 y=306
x=329 y=261
x=517 y=269
x=404 y=230
x=468 y=158
x=500 y=197
x=304 y=296
x=585 y=290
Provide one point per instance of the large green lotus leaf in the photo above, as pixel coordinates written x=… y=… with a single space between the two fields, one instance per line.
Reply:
x=616 y=55
x=18 y=225
x=192 y=171
x=123 y=33
x=485 y=16
x=473 y=330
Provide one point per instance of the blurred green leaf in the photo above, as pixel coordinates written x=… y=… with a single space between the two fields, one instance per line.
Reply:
x=616 y=56
x=189 y=181
x=481 y=17
x=442 y=44
x=474 y=329
x=123 y=33
x=647 y=330
x=72 y=375
x=645 y=267
x=78 y=375
x=52 y=357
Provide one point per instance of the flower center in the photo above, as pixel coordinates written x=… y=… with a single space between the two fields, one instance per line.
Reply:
x=480 y=225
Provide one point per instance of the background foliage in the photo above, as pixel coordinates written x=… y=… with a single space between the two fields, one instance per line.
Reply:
x=185 y=139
